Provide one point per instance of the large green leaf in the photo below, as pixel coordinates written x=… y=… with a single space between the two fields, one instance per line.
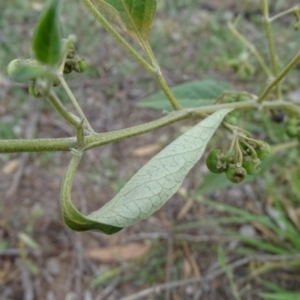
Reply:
x=46 y=42
x=133 y=16
x=149 y=189
x=190 y=94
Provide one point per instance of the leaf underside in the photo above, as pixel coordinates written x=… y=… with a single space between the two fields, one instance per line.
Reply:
x=150 y=188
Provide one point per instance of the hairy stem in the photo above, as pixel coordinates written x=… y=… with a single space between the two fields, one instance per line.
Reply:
x=96 y=140
x=251 y=48
x=91 y=7
x=153 y=69
x=160 y=78
x=53 y=99
x=286 y=12
x=279 y=78
x=75 y=103
x=270 y=38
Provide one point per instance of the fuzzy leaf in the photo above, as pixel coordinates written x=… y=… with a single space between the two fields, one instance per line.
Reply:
x=150 y=188
x=133 y=16
x=190 y=94
x=46 y=42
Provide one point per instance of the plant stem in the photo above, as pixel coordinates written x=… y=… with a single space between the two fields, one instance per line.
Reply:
x=251 y=48
x=286 y=12
x=75 y=103
x=160 y=78
x=37 y=145
x=278 y=79
x=96 y=140
x=91 y=7
x=53 y=99
x=268 y=29
x=154 y=69
x=284 y=146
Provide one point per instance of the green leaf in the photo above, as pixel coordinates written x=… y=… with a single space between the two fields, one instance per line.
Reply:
x=281 y=296
x=46 y=42
x=149 y=189
x=133 y=16
x=190 y=94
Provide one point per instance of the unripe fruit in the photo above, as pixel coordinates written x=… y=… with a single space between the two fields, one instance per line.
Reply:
x=252 y=166
x=21 y=70
x=68 y=68
x=81 y=66
x=233 y=120
x=235 y=174
x=292 y=122
x=215 y=161
x=71 y=51
x=13 y=68
x=291 y=131
x=263 y=150
x=32 y=91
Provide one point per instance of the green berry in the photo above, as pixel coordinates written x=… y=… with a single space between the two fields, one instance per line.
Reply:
x=81 y=66
x=263 y=150
x=13 y=68
x=236 y=174
x=252 y=166
x=68 y=68
x=33 y=92
x=21 y=70
x=292 y=122
x=233 y=120
x=71 y=51
x=216 y=162
x=291 y=131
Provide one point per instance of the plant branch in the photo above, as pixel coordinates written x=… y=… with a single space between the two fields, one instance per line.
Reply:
x=279 y=78
x=75 y=103
x=100 y=139
x=286 y=12
x=53 y=99
x=270 y=38
x=91 y=7
x=153 y=69
x=251 y=48
x=160 y=78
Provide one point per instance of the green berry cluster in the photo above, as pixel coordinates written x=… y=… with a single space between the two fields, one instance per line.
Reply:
x=243 y=159
x=32 y=71
x=241 y=66
x=73 y=61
